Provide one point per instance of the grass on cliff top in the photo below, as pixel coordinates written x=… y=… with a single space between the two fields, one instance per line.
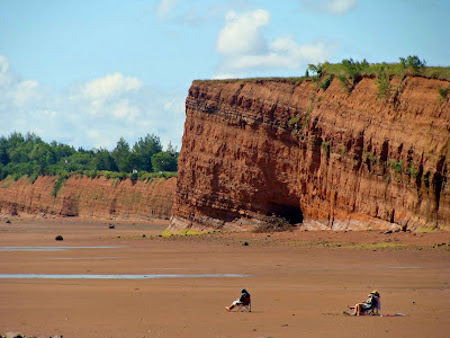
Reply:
x=390 y=69
x=298 y=79
x=118 y=176
x=363 y=68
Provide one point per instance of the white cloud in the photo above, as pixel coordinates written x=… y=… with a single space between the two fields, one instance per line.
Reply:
x=91 y=114
x=197 y=15
x=123 y=109
x=110 y=85
x=24 y=91
x=293 y=58
x=108 y=96
x=225 y=76
x=99 y=139
x=174 y=105
x=15 y=92
x=340 y=7
x=244 y=48
x=242 y=33
x=6 y=77
x=334 y=7
x=165 y=7
x=192 y=13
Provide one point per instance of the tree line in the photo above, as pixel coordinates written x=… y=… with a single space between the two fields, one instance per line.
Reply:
x=28 y=155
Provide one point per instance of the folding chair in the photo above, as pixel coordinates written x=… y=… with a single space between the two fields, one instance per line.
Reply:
x=246 y=307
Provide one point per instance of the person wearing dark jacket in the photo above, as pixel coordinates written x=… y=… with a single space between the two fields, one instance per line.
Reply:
x=242 y=301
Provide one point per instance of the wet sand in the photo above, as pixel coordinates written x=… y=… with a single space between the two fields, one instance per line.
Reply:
x=300 y=282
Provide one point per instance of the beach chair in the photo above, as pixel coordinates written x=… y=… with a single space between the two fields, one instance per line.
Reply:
x=245 y=307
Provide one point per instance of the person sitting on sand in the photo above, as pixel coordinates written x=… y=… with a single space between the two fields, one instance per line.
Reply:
x=242 y=301
x=372 y=304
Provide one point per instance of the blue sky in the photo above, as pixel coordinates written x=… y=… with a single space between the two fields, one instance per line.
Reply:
x=86 y=73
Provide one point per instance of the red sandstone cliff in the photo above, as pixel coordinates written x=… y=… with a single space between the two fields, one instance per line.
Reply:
x=330 y=159
x=98 y=198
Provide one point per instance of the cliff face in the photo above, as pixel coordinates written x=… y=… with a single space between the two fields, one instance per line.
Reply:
x=91 y=198
x=327 y=158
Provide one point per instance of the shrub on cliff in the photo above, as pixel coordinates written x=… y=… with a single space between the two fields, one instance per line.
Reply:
x=315 y=69
x=345 y=83
x=326 y=83
x=383 y=83
x=413 y=62
x=443 y=93
x=58 y=184
x=353 y=71
x=295 y=119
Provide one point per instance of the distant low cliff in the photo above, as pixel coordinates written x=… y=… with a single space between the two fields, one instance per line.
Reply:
x=98 y=198
x=321 y=156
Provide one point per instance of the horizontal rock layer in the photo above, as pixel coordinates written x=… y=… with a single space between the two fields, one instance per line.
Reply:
x=325 y=157
x=98 y=198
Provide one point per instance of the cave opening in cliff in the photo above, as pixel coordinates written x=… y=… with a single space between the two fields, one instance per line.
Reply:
x=292 y=214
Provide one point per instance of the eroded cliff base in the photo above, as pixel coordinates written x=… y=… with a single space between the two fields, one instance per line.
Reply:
x=178 y=224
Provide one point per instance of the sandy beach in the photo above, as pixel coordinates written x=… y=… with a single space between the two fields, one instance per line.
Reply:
x=151 y=286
